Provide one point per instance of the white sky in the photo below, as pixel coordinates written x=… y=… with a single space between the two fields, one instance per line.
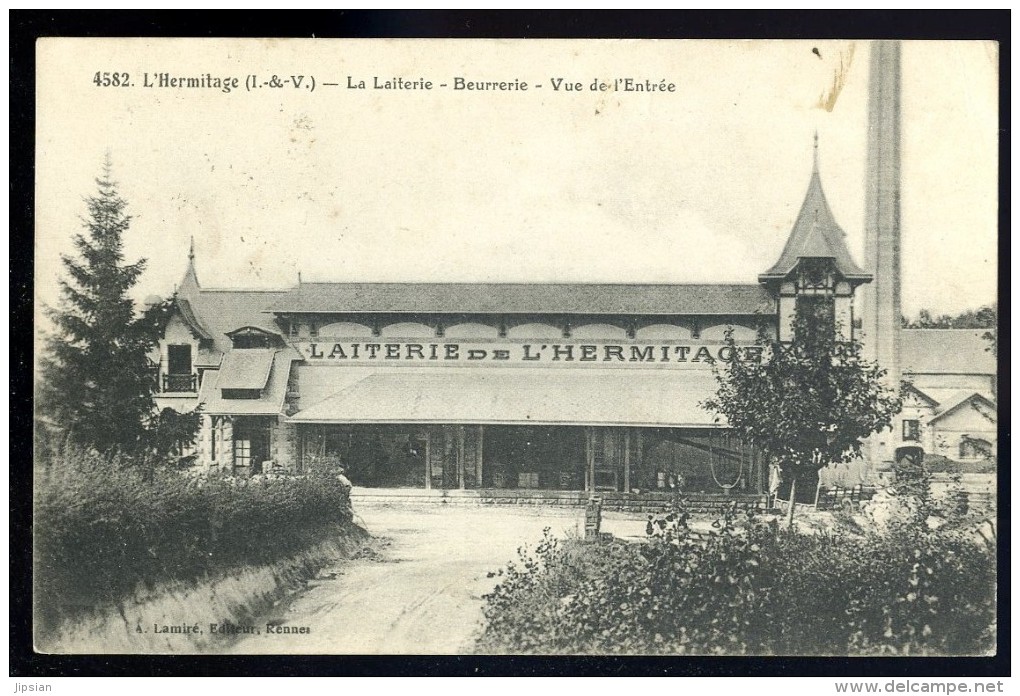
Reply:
x=700 y=185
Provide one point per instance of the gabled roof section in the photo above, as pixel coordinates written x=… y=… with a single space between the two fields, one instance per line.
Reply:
x=946 y=351
x=920 y=394
x=223 y=311
x=962 y=398
x=532 y=298
x=816 y=234
x=214 y=314
x=249 y=329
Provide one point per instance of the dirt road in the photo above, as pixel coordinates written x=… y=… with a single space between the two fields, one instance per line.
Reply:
x=419 y=589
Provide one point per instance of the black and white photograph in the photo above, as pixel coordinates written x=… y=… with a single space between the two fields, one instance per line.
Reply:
x=516 y=347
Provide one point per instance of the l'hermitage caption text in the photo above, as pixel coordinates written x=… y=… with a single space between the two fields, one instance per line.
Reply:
x=257 y=82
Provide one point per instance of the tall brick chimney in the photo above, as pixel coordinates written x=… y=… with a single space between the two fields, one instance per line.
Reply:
x=879 y=307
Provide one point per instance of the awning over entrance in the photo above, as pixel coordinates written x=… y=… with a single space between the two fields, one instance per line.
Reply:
x=245 y=369
x=271 y=395
x=543 y=397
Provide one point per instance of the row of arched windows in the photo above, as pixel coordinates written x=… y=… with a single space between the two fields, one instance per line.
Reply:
x=535 y=331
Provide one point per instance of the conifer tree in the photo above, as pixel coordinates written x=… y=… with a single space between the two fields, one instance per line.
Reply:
x=96 y=382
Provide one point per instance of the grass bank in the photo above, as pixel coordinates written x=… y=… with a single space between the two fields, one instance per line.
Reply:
x=239 y=597
x=124 y=544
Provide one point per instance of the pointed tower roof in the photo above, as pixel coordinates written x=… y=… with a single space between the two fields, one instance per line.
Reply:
x=187 y=291
x=189 y=283
x=816 y=234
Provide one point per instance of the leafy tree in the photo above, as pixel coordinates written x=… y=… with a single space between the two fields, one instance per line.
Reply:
x=986 y=317
x=97 y=383
x=807 y=403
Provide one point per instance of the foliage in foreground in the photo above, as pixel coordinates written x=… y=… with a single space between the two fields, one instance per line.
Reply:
x=104 y=526
x=807 y=403
x=745 y=588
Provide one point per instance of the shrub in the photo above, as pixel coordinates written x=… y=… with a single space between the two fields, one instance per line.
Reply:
x=745 y=588
x=106 y=526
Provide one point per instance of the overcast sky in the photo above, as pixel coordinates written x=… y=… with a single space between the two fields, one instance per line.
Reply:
x=698 y=185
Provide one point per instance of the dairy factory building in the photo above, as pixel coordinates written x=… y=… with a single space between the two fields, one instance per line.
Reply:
x=564 y=387
x=571 y=388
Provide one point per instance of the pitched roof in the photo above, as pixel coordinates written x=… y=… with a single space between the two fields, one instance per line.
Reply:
x=816 y=234
x=221 y=311
x=959 y=399
x=519 y=396
x=946 y=351
x=534 y=298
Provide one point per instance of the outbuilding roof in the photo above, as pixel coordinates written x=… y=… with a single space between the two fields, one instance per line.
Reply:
x=520 y=298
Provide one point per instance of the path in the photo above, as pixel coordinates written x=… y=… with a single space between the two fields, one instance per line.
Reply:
x=420 y=589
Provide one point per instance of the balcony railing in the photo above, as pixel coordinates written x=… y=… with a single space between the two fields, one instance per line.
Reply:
x=180 y=383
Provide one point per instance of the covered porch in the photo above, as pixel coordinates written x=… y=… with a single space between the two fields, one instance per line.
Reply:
x=498 y=458
x=632 y=432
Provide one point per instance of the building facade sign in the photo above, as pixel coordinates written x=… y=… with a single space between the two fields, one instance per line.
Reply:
x=690 y=355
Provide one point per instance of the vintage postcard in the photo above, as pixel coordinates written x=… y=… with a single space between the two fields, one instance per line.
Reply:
x=516 y=347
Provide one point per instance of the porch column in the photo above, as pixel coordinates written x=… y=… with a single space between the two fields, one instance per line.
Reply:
x=460 y=457
x=428 y=459
x=589 y=460
x=626 y=460
x=478 y=459
x=642 y=474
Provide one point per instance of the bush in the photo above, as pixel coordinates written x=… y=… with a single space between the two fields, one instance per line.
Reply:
x=106 y=525
x=744 y=588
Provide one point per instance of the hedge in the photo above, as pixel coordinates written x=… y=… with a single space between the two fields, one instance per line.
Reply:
x=105 y=525
x=746 y=588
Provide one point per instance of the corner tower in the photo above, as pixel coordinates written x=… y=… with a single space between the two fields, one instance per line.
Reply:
x=815 y=264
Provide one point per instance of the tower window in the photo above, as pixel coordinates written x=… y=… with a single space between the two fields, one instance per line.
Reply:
x=818 y=310
x=816 y=276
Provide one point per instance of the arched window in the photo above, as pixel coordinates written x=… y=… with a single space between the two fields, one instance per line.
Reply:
x=534 y=331
x=346 y=329
x=471 y=330
x=600 y=331
x=974 y=448
x=407 y=329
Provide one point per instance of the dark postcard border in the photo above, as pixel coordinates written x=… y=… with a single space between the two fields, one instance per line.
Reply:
x=27 y=26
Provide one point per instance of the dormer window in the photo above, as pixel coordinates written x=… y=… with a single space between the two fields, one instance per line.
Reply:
x=252 y=337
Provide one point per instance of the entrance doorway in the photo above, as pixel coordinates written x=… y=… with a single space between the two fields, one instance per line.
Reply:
x=251 y=445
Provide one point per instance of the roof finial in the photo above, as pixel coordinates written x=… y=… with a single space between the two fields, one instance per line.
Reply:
x=299 y=277
x=816 y=151
x=191 y=250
